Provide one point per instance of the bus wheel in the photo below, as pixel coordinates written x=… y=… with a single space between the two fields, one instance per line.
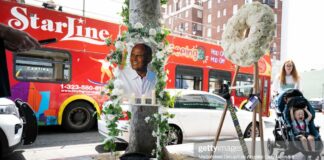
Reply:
x=78 y=117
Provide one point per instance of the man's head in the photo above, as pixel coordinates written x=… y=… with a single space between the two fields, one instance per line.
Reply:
x=141 y=56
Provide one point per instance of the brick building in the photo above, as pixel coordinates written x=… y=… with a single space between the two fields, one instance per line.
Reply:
x=206 y=19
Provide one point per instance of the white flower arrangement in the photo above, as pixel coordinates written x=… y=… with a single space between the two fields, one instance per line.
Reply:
x=138 y=25
x=244 y=48
x=155 y=37
x=152 y=32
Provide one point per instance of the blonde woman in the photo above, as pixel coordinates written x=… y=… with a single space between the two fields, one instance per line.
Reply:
x=287 y=79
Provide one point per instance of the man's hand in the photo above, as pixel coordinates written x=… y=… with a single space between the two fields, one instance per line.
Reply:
x=16 y=40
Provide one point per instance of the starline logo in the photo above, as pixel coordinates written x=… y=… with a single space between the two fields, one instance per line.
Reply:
x=76 y=32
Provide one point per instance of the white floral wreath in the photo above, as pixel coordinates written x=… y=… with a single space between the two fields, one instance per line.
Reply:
x=248 y=34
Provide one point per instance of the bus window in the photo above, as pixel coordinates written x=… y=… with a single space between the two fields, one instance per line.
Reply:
x=242 y=80
x=43 y=65
x=216 y=76
x=188 y=78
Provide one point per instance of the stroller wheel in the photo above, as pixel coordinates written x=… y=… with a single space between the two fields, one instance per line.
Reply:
x=270 y=146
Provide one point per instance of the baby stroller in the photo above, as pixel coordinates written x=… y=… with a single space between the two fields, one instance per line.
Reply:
x=284 y=138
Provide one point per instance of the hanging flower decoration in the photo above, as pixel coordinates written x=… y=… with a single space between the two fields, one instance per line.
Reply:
x=248 y=34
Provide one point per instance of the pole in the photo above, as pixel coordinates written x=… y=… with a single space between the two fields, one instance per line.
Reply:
x=255 y=91
x=83 y=9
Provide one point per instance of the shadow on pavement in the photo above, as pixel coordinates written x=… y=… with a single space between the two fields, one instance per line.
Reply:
x=119 y=147
x=16 y=155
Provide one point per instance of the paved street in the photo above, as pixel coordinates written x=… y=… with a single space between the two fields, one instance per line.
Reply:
x=55 y=143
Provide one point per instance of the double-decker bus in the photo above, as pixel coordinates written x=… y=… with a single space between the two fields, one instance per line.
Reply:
x=62 y=81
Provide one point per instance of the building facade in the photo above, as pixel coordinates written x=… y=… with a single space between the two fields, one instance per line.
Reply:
x=206 y=19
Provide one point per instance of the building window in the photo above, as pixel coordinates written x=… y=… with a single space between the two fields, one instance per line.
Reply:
x=218 y=28
x=276 y=3
x=275 y=18
x=224 y=12
x=177 y=6
x=209 y=4
x=187 y=13
x=199 y=3
x=199 y=28
x=186 y=26
x=224 y=25
x=235 y=7
x=187 y=2
x=182 y=26
x=248 y=1
x=170 y=9
x=199 y=13
x=218 y=14
x=209 y=18
x=209 y=32
x=218 y=1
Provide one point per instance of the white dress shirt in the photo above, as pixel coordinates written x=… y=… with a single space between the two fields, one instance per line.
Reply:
x=134 y=84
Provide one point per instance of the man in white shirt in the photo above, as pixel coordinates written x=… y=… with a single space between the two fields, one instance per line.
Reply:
x=137 y=79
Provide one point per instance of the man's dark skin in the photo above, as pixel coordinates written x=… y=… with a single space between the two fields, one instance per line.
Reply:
x=141 y=56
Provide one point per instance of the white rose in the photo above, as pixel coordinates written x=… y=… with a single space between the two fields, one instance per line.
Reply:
x=160 y=45
x=147 y=119
x=138 y=25
x=119 y=45
x=152 y=32
x=154 y=134
x=117 y=92
x=159 y=55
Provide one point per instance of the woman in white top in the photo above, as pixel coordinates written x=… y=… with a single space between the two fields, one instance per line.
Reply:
x=287 y=79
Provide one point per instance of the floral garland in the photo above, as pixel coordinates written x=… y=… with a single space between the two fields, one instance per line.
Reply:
x=160 y=131
x=248 y=34
x=156 y=38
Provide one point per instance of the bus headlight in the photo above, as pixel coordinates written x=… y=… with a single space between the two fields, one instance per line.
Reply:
x=9 y=109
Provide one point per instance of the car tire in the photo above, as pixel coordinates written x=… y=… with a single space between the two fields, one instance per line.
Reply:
x=78 y=117
x=248 y=131
x=174 y=135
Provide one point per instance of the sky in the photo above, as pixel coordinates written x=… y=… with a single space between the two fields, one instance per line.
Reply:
x=302 y=27
x=305 y=33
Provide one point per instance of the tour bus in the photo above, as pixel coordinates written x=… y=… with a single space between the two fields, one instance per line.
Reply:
x=63 y=81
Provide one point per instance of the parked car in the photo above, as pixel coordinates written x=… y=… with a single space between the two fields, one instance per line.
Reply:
x=317 y=103
x=197 y=115
x=18 y=125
